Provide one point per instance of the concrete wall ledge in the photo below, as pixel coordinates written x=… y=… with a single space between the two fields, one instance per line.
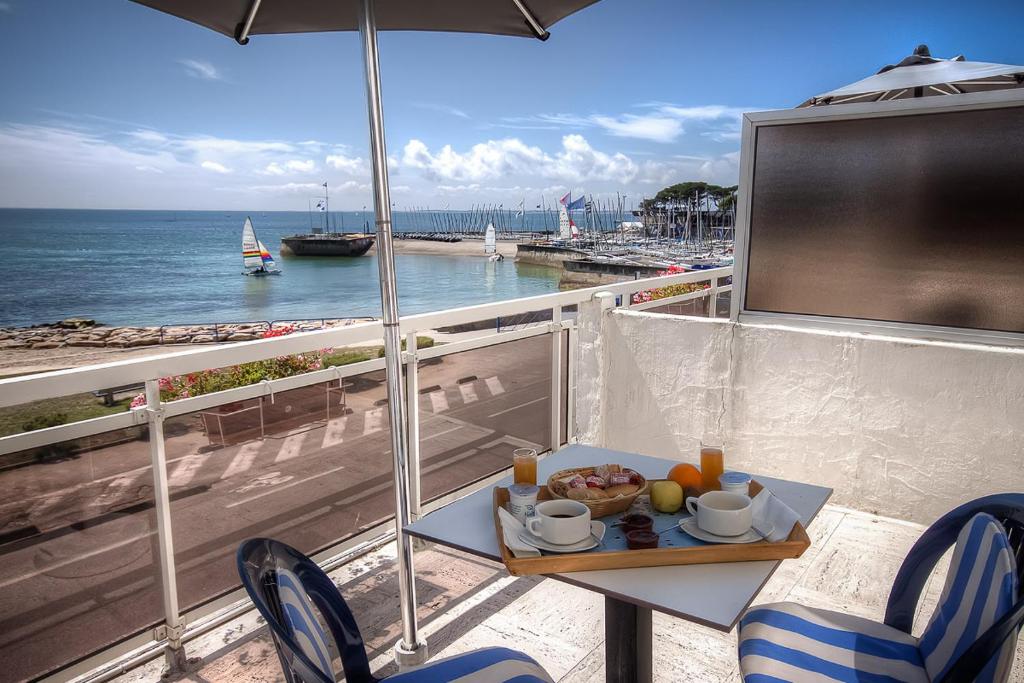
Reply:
x=902 y=427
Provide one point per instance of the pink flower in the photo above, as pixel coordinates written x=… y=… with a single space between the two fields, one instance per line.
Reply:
x=139 y=401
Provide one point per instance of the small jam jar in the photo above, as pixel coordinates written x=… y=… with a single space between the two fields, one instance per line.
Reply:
x=636 y=523
x=639 y=540
x=735 y=482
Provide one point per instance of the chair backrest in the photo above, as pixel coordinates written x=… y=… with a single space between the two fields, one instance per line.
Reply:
x=980 y=588
x=289 y=589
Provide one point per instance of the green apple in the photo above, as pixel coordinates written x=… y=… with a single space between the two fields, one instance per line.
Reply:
x=666 y=496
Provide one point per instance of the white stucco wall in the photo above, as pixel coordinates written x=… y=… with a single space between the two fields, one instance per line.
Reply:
x=901 y=427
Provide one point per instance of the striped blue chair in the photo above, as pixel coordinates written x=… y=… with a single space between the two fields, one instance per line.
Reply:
x=971 y=636
x=298 y=600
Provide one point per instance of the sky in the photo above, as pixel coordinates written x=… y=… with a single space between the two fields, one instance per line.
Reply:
x=109 y=104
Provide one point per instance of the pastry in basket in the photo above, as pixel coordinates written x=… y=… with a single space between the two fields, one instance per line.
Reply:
x=605 y=489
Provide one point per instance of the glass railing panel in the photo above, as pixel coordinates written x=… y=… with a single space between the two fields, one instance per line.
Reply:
x=477 y=406
x=79 y=565
x=308 y=466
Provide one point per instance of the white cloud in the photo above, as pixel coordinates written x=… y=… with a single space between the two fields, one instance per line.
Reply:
x=656 y=128
x=664 y=123
x=197 y=68
x=341 y=162
x=215 y=167
x=443 y=108
x=273 y=168
x=148 y=169
x=577 y=160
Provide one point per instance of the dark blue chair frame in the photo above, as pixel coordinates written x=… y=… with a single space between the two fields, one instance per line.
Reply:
x=258 y=561
x=1008 y=508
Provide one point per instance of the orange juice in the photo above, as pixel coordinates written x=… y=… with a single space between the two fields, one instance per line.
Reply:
x=712 y=465
x=524 y=466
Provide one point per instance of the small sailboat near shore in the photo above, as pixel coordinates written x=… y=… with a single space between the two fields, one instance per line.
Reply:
x=256 y=258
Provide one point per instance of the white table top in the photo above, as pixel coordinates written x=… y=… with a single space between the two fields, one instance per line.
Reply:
x=715 y=595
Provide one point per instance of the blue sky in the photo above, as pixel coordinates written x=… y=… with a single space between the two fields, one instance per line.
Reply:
x=109 y=104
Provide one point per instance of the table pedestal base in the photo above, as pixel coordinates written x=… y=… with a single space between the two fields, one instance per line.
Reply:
x=627 y=642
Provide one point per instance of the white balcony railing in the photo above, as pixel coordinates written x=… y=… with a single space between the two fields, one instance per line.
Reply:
x=176 y=623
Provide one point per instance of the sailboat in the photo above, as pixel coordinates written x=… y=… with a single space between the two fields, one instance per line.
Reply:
x=256 y=257
x=491 y=244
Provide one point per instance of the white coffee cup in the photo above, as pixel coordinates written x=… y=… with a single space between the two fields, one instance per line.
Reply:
x=561 y=522
x=721 y=513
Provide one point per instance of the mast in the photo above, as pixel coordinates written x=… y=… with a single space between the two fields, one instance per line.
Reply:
x=327 y=210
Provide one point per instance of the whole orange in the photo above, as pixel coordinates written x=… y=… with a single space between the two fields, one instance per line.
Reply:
x=686 y=475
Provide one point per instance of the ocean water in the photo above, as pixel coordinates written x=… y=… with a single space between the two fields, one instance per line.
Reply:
x=181 y=267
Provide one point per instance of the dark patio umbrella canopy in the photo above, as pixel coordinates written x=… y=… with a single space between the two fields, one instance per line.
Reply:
x=498 y=17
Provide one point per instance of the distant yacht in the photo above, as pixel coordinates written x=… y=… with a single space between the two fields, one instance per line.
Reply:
x=256 y=257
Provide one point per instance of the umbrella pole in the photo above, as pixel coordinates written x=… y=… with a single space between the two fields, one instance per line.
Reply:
x=409 y=650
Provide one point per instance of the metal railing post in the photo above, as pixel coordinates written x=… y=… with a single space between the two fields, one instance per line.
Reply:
x=412 y=394
x=713 y=301
x=175 y=654
x=556 y=377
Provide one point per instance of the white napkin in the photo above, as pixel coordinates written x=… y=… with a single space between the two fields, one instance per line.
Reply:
x=768 y=510
x=510 y=528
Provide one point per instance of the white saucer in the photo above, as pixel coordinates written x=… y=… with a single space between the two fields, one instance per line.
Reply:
x=597 y=530
x=689 y=526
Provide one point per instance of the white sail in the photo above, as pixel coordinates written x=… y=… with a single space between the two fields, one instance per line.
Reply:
x=563 y=224
x=490 y=245
x=250 y=247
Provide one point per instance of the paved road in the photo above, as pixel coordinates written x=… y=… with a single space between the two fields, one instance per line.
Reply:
x=84 y=572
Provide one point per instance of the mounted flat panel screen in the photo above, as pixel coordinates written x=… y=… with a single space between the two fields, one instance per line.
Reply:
x=914 y=218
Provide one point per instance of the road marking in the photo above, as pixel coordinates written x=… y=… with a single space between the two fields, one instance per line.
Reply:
x=291 y=446
x=243 y=461
x=468 y=393
x=438 y=401
x=494 y=385
x=521 y=405
x=72 y=560
x=357 y=496
x=186 y=470
x=333 y=432
x=114 y=490
x=372 y=420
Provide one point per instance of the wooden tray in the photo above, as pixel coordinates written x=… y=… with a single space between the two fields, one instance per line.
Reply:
x=794 y=546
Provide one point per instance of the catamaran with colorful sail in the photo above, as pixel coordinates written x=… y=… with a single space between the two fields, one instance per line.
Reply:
x=256 y=257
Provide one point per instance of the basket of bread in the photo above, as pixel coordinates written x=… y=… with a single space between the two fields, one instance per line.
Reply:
x=605 y=489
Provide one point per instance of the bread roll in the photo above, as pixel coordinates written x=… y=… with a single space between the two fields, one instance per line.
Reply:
x=622 y=490
x=586 y=494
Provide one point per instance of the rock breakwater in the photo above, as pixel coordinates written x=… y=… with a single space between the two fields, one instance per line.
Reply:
x=83 y=332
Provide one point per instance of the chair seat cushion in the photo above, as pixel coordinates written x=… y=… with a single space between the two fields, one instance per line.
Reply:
x=489 y=665
x=789 y=642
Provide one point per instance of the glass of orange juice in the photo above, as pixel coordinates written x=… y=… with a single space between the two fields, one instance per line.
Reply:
x=524 y=466
x=712 y=465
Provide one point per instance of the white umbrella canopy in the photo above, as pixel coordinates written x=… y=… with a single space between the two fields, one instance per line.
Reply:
x=921 y=75
x=240 y=19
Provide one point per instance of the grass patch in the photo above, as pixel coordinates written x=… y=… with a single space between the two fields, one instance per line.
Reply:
x=51 y=412
x=364 y=353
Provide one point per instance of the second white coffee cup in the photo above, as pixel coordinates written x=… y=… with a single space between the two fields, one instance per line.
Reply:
x=561 y=522
x=721 y=513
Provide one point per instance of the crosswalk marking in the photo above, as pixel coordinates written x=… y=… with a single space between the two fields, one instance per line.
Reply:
x=243 y=460
x=438 y=401
x=115 y=488
x=186 y=470
x=372 y=421
x=333 y=432
x=494 y=386
x=291 y=447
x=468 y=393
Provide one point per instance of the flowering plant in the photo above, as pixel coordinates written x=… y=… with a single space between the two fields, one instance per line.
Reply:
x=671 y=290
x=221 y=379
